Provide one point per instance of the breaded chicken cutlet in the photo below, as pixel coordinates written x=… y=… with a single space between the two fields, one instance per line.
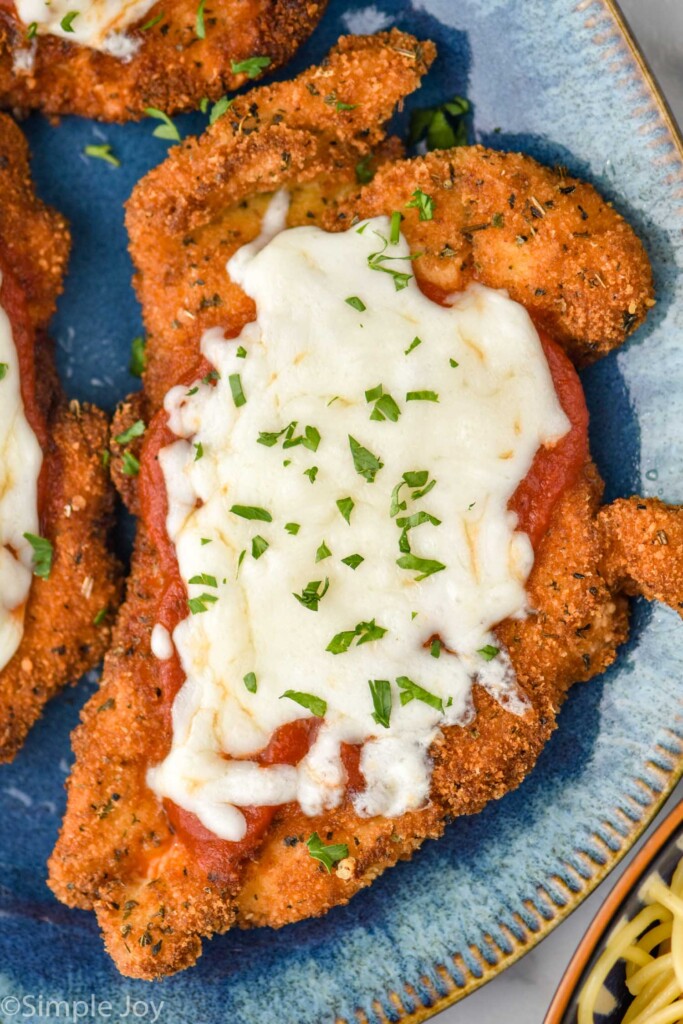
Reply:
x=113 y=66
x=158 y=879
x=69 y=610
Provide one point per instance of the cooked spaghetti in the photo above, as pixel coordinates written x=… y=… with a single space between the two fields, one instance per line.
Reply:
x=652 y=947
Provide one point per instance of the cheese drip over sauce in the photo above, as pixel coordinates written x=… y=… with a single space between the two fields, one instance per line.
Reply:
x=20 y=460
x=311 y=356
x=98 y=24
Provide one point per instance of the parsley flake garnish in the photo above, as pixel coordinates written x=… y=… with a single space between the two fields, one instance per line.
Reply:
x=292 y=528
x=413 y=478
x=152 y=22
x=4 y=367
x=250 y=682
x=311 y=473
x=356 y=303
x=32 y=30
x=310 y=438
x=414 y=343
x=258 y=546
x=241 y=352
x=380 y=689
x=385 y=407
x=131 y=465
x=66 y=24
x=366 y=464
x=423 y=203
x=312 y=595
x=252 y=512
x=378 y=260
x=454 y=363
x=204 y=541
x=316 y=705
x=422 y=396
x=346 y=507
x=362 y=633
x=423 y=566
x=197 y=605
x=435 y=648
x=327 y=855
x=200 y=28
x=412 y=691
x=489 y=652
x=251 y=67
x=138 y=359
x=100 y=617
x=322 y=552
x=167 y=129
x=238 y=396
x=136 y=430
x=218 y=109
x=102 y=152
x=198 y=450
x=204 y=580
x=353 y=561
x=42 y=555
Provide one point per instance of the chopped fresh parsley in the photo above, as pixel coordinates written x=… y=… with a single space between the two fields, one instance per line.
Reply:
x=218 y=109
x=4 y=367
x=241 y=352
x=198 y=450
x=414 y=343
x=42 y=555
x=131 y=466
x=366 y=464
x=192 y=391
x=316 y=705
x=356 y=303
x=32 y=30
x=199 y=604
x=412 y=691
x=339 y=105
x=454 y=363
x=422 y=396
x=211 y=376
x=311 y=595
x=327 y=855
x=238 y=396
x=378 y=260
x=380 y=690
x=362 y=633
x=385 y=407
x=258 y=545
x=136 y=430
x=152 y=22
x=443 y=127
x=423 y=566
x=423 y=203
x=67 y=21
x=311 y=473
x=102 y=152
x=100 y=617
x=138 y=359
x=167 y=129
x=250 y=682
x=199 y=27
x=292 y=528
x=413 y=478
x=205 y=540
x=204 y=580
x=489 y=652
x=353 y=561
x=346 y=507
x=310 y=438
x=251 y=67
x=435 y=648
x=322 y=552
x=252 y=512
x=406 y=523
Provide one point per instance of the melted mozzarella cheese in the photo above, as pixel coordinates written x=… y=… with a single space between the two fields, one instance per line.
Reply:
x=20 y=461
x=98 y=24
x=311 y=356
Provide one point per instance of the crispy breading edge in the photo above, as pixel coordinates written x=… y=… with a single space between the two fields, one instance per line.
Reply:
x=575 y=609
x=173 y=70
x=60 y=639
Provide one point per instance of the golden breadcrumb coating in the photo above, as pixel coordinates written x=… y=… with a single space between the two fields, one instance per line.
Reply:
x=60 y=640
x=172 y=69
x=117 y=851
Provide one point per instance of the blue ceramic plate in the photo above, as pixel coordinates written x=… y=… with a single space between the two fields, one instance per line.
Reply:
x=557 y=79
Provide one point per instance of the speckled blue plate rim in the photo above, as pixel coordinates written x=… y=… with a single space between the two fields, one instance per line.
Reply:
x=560 y=80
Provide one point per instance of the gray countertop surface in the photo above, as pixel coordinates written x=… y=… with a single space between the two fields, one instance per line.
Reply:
x=521 y=994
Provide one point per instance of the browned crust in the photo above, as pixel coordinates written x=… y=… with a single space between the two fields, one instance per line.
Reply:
x=185 y=220
x=173 y=70
x=60 y=639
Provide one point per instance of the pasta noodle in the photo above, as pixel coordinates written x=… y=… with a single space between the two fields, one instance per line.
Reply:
x=652 y=947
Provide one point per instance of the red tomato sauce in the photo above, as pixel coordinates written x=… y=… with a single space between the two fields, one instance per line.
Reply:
x=13 y=301
x=553 y=471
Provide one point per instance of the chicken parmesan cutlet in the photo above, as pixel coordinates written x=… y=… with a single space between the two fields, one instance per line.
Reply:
x=58 y=582
x=116 y=60
x=371 y=557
